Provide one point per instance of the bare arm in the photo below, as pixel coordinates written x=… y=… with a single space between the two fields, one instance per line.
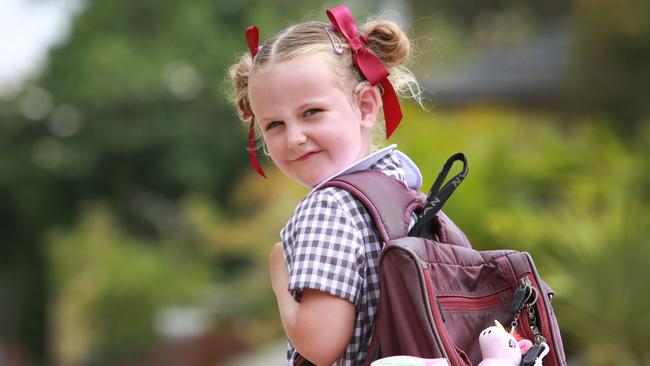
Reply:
x=321 y=325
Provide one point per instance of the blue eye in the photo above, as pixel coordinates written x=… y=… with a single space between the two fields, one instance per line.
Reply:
x=273 y=124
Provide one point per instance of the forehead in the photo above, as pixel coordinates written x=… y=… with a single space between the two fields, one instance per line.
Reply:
x=304 y=76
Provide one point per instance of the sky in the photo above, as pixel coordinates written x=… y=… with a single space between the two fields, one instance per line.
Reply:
x=28 y=29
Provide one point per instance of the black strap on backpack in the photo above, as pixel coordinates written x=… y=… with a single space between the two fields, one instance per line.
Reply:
x=438 y=196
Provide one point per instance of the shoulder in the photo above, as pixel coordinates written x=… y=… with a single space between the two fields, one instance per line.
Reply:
x=330 y=197
x=328 y=204
x=328 y=207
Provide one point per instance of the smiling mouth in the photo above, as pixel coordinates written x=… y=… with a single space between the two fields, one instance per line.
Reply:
x=307 y=156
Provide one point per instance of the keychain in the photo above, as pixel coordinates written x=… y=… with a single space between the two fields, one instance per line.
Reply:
x=519 y=300
x=526 y=296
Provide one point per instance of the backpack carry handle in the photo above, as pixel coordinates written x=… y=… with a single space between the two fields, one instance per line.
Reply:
x=438 y=196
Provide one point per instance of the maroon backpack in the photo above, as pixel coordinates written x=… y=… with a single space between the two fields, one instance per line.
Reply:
x=437 y=293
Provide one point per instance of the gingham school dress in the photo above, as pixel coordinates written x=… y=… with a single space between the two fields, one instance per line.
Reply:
x=330 y=245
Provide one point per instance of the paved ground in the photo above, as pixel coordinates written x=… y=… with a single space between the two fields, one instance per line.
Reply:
x=272 y=354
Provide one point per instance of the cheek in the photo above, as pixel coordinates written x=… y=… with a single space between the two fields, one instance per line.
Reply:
x=272 y=145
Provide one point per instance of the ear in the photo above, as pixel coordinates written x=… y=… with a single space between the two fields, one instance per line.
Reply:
x=525 y=345
x=369 y=102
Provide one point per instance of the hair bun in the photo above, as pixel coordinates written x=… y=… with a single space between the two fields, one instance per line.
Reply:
x=239 y=74
x=388 y=42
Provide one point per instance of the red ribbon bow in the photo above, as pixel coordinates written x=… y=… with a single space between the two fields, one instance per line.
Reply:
x=252 y=38
x=370 y=66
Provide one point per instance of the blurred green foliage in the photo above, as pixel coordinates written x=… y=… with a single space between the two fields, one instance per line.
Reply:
x=124 y=188
x=609 y=72
x=109 y=287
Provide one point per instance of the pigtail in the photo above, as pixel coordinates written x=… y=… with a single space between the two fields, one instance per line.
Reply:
x=239 y=74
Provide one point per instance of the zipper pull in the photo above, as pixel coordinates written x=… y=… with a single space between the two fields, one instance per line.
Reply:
x=521 y=295
x=531 y=356
x=535 y=355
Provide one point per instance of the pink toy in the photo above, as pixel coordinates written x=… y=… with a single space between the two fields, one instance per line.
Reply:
x=410 y=361
x=500 y=348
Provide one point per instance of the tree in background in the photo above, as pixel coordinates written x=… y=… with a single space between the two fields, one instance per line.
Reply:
x=131 y=112
x=610 y=71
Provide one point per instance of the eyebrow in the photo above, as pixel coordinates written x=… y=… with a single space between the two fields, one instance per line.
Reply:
x=311 y=102
x=320 y=101
x=265 y=121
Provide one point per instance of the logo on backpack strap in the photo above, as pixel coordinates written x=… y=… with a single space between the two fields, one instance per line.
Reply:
x=457 y=180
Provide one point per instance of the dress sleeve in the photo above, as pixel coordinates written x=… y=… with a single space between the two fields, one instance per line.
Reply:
x=324 y=247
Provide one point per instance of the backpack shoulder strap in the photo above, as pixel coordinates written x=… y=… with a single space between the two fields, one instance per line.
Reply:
x=389 y=201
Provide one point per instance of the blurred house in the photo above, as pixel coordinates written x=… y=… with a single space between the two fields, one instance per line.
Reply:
x=530 y=73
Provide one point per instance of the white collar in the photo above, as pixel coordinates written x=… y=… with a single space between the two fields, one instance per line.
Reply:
x=411 y=171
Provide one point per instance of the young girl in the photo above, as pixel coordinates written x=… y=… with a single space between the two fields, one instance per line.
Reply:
x=315 y=91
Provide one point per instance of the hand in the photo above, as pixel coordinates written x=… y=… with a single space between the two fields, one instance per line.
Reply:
x=278 y=269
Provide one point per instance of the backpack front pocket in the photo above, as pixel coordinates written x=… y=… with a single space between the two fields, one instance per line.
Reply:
x=465 y=316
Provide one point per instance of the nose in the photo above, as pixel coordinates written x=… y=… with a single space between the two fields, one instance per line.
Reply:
x=296 y=136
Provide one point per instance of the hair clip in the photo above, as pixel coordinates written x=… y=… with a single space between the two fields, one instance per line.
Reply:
x=337 y=45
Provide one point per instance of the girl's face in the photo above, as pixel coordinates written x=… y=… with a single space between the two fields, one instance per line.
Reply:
x=311 y=126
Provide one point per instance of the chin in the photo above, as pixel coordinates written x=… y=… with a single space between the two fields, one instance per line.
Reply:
x=313 y=175
x=311 y=181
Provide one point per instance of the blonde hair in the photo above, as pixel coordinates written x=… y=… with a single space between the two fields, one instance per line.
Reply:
x=385 y=40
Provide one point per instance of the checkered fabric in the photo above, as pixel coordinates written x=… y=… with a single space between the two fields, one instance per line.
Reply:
x=331 y=245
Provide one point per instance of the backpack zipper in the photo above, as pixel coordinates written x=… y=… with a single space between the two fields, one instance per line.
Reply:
x=454 y=302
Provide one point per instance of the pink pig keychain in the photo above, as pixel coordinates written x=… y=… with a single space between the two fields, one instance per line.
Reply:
x=500 y=348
